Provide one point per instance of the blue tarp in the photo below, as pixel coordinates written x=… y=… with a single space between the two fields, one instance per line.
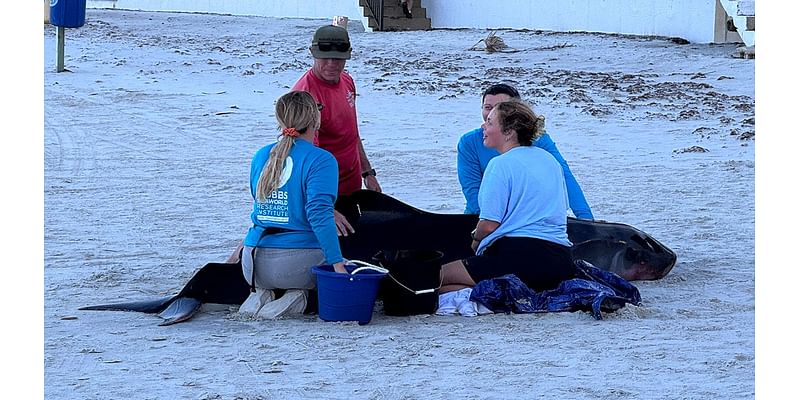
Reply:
x=593 y=290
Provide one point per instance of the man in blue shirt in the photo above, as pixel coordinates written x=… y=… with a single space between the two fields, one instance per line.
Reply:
x=473 y=157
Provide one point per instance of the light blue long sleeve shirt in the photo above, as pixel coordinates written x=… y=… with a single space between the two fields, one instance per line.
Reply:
x=473 y=157
x=302 y=204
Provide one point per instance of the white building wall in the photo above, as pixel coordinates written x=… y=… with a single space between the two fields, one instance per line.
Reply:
x=267 y=8
x=690 y=19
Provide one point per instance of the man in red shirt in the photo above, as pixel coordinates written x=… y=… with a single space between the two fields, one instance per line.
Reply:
x=335 y=90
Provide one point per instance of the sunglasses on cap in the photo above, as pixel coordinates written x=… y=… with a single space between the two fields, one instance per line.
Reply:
x=327 y=46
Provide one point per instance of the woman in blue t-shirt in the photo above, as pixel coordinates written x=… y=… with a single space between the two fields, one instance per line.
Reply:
x=522 y=228
x=294 y=186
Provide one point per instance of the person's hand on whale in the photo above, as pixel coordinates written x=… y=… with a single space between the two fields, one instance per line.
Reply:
x=343 y=228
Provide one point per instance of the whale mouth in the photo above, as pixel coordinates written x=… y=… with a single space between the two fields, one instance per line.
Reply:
x=656 y=253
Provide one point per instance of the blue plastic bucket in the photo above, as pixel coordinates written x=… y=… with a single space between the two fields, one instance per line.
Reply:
x=347 y=297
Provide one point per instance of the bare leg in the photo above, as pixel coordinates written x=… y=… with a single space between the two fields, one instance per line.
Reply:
x=455 y=277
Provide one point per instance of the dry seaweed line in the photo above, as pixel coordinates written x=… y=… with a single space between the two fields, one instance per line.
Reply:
x=555 y=47
x=493 y=44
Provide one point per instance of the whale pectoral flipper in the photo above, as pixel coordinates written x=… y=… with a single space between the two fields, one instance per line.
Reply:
x=181 y=309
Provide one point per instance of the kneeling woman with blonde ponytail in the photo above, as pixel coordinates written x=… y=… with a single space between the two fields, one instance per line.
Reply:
x=294 y=186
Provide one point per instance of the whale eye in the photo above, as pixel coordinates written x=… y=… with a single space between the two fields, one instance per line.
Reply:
x=637 y=256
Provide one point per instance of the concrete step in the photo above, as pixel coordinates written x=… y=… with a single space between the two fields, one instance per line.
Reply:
x=746 y=8
x=406 y=24
x=742 y=22
x=395 y=20
x=392 y=9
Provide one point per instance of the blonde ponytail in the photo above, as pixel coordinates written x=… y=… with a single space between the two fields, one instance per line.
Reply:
x=296 y=113
x=271 y=174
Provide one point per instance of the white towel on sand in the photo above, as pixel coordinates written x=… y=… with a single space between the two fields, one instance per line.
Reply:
x=458 y=303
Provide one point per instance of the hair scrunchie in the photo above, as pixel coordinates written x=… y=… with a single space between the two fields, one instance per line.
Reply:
x=291 y=132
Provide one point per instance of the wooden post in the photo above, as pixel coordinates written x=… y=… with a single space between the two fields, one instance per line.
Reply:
x=60 y=62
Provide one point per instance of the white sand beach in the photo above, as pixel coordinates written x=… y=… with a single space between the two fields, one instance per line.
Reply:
x=147 y=144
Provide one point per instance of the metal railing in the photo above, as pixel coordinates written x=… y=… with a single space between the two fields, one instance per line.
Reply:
x=376 y=8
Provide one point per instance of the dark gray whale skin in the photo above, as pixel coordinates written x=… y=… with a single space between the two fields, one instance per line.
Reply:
x=384 y=223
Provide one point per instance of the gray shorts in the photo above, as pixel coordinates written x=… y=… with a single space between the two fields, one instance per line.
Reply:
x=282 y=268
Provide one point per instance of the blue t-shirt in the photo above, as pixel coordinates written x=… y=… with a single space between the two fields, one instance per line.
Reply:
x=302 y=204
x=523 y=190
x=473 y=157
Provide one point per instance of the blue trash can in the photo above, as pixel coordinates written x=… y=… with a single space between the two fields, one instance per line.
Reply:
x=68 y=13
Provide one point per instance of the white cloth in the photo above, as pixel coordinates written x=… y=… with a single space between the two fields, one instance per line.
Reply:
x=458 y=303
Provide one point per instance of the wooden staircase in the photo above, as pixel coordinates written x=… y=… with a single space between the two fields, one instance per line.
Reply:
x=740 y=18
x=395 y=20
